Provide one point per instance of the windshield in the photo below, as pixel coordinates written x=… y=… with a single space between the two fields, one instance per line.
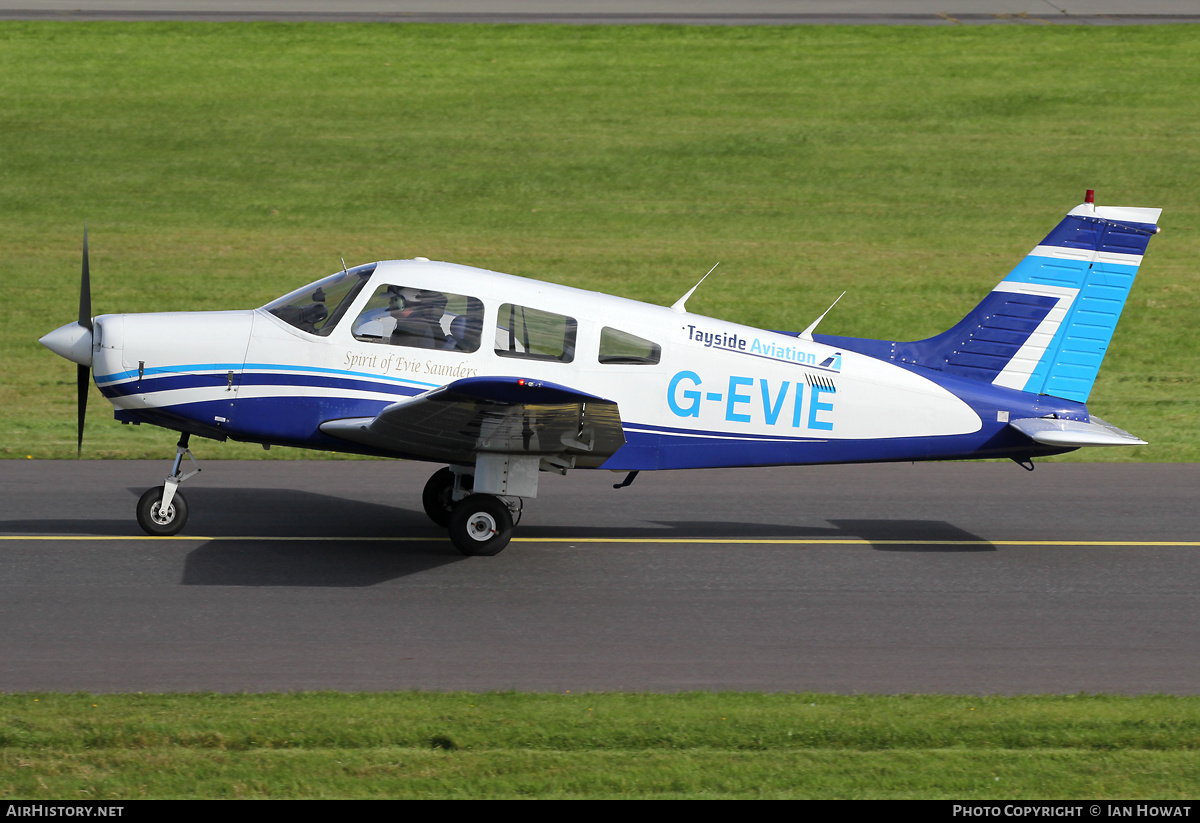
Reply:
x=318 y=307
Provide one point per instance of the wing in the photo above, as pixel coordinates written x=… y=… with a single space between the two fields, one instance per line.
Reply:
x=509 y=415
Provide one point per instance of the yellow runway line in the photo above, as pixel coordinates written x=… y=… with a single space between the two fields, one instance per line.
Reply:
x=730 y=541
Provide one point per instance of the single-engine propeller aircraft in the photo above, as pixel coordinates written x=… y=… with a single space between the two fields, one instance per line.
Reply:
x=501 y=378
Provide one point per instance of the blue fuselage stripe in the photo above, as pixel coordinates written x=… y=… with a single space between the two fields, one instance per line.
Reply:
x=643 y=428
x=210 y=375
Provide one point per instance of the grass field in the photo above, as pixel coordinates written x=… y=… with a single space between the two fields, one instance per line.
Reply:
x=220 y=165
x=597 y=745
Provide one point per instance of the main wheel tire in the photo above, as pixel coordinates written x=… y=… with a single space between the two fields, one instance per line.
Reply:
x=158 y=523
x=438 y=497
x=481 y=525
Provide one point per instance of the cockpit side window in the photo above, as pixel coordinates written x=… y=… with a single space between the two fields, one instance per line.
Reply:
x=533 y=334
x=319 y=306
x=421 y=318
x=618 y=346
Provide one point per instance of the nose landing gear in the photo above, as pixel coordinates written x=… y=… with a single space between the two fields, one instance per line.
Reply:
x=160 y=520
x=163 y=511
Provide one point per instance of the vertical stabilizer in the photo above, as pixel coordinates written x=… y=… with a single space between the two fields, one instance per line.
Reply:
x=1046 y=327
x=1083 y=272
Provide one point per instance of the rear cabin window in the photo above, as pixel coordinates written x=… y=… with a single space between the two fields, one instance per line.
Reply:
x=533 y=334
x=421 y=318
x=618 y=346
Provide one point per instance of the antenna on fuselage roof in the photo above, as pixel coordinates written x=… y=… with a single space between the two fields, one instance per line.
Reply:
x=344 y=271
x=807 y=333
x=677 y=306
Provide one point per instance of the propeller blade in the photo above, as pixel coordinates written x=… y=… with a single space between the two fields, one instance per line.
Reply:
x=85 y=289
x=83 y=373
x=82 y=378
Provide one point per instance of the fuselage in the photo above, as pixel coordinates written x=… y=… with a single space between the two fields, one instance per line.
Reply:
x=692 y=391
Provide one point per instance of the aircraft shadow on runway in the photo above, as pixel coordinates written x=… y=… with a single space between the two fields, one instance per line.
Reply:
x=333 y=564
x=284 y=513
x=307 y=561
x=346 y=562
x=885 y=535
x=219 y=512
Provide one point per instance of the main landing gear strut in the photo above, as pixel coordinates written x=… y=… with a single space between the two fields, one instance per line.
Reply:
x=480 y=523
x=163 y=510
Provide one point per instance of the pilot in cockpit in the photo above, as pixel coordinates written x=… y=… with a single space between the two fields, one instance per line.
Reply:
x=418 y=315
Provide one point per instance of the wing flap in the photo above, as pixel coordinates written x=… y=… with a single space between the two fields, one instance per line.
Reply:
x=509 y=415
x=1073 y=433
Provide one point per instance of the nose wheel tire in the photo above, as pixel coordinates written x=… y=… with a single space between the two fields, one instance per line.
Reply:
x=480 y=525
x=156 y=521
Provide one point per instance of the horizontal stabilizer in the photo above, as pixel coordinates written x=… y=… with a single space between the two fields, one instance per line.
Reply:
x=1073 y=433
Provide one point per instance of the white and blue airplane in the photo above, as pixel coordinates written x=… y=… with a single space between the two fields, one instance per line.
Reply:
x=501 y=378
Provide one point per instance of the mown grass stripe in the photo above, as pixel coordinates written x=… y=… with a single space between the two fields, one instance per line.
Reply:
x=509 y=744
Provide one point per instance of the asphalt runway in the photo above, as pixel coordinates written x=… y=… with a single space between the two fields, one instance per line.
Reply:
x=598 y=12
x=972 y=578
x=962 y=578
